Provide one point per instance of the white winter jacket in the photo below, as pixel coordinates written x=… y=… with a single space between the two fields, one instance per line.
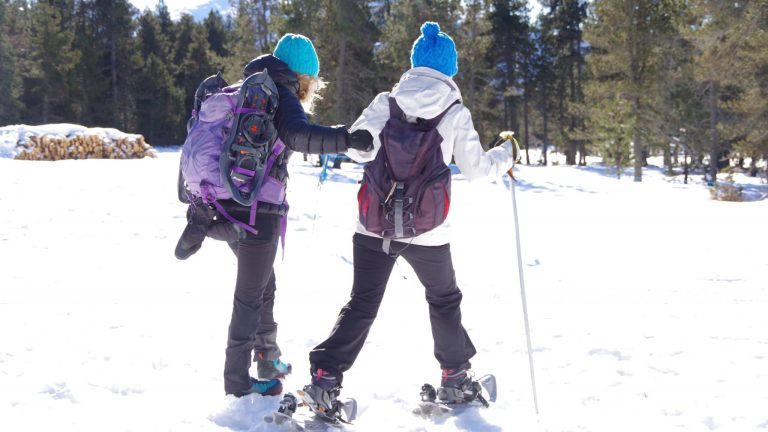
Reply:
x=424 y=92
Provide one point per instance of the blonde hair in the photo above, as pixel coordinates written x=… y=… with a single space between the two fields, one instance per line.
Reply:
x=309 y=91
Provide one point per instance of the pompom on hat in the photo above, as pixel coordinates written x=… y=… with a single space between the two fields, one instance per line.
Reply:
x=298 y=52
x=435 y=49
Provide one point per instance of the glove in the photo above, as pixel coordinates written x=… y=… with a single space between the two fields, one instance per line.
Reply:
x=510 y=136
x=199 y=218
x=361 y=140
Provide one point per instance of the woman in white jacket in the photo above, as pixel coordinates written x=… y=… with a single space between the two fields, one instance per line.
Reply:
x=425 y=91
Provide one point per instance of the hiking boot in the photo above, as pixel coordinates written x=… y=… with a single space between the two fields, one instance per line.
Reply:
x=271 y=387
x=455 y=386
x=320 y=396
x=272 y=369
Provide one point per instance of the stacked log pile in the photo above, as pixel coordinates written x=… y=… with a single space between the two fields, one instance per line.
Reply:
x=49 y=147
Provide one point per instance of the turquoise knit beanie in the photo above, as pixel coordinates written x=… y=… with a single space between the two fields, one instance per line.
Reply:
x=434 y=49
x=298 y=53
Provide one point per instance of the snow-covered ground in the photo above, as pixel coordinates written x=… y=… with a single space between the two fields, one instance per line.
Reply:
x=647 y=304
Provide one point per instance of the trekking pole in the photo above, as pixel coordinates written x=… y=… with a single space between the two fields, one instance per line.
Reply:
x=512 y=181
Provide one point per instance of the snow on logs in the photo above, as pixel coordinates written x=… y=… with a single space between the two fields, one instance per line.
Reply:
x=66 y=141
x=47 y=147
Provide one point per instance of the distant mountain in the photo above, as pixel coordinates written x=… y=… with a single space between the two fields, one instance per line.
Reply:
x=201 y=11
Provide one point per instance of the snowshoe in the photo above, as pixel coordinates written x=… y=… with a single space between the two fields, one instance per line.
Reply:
x=307 y=421
x=212 y=84
x=245 y=152
x=449 y=400
x=326 y=407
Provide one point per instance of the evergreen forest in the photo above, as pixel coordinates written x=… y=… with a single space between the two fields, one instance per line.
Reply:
x=620 y=79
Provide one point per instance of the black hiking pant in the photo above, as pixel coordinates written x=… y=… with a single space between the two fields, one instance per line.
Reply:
x=253 y=323
x=372 y=268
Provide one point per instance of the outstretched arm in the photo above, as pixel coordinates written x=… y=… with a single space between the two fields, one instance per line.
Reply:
x=300 y=135
x=373 y=120
x=472 y=160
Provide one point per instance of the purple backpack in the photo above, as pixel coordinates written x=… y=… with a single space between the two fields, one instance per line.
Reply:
x=406 y=189
x=232 y=145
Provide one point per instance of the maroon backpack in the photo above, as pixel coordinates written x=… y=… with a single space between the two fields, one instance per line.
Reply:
x=406 y=189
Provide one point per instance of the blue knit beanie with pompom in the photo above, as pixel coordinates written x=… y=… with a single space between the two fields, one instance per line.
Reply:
x=298 y=53
x=435 y=49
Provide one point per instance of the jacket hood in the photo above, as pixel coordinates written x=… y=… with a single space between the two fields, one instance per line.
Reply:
x=278 y=70
x=424 y=92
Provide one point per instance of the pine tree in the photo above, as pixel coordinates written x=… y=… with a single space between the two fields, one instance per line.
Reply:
x=345 y=49
x=183 y=37
x=754 y=105
x=716 y=44
x=165 y=22
x=49 y=66
x=217 y=33
x=9 y=77
x=512 y=54
x=253 y=34
x=113 y=46
x=625 y=36
x=393 y=55
x=476 y=68
x=160 y=112
x=544 y=81
x=510 y=30
x=199 y=64
x=733 y=34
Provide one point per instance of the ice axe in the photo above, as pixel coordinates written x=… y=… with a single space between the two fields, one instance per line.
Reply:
x=504 y=137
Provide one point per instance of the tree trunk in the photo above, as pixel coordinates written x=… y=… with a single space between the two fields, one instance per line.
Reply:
x=341 y=58
x=546 y=137
x=668 y=158
x=571 y=158
x=525 y=124
x=113 y=66
x=636 y=145
x=714 y=145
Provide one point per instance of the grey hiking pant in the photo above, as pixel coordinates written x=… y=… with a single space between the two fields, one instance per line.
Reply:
x=253 y=325
x=372 y=268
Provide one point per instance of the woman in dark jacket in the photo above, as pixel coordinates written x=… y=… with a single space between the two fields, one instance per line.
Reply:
x=294 y=68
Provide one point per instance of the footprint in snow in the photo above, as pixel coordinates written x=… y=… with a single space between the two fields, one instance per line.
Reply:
x=614 y=353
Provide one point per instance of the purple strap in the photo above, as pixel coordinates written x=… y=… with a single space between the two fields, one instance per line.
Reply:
x=210 y=198
x=277 y=148
x=245 y=171
x=247 y=110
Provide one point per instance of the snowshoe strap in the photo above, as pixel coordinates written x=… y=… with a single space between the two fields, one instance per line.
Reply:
x=248 y=110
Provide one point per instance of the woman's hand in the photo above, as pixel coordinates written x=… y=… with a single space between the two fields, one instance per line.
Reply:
x=361 y=140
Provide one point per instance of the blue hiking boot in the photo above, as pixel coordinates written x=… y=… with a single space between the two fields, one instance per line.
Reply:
x=271 y=387
x=272 y=369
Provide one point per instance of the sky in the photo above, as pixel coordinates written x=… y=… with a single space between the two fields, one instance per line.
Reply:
x=177 y=5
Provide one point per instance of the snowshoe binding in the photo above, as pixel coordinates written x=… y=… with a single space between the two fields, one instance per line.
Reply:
x=285 y=412
x=321 y=397
x=244 y=154
x=457 y=392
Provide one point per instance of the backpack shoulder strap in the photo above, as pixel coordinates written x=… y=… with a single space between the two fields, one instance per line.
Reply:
x=434 y=121
x=394 y=109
